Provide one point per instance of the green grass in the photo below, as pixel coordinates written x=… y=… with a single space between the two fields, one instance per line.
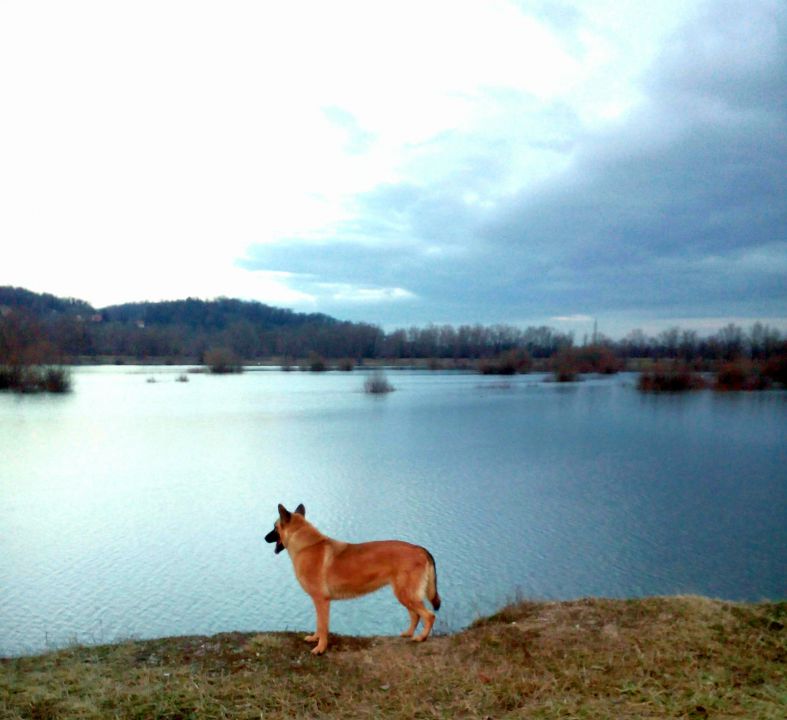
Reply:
x=680 y=657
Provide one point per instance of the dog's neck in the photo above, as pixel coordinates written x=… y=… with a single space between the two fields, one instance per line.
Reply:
x=304 y=537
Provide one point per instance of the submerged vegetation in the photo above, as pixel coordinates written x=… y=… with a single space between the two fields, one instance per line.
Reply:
x=35 y=378
x=510 y=362
x=377 y=384
x=222 y=361
x=744 y=375
x=670 y=377
x=679 y=657
x=736 y=375
x=315 y=363
x=570 y=362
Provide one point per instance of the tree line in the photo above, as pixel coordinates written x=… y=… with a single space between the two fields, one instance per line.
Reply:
x=36 y=328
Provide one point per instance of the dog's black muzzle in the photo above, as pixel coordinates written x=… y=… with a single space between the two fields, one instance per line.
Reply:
x=273 y=537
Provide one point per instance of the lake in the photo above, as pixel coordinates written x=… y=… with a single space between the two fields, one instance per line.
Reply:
x=132 y=509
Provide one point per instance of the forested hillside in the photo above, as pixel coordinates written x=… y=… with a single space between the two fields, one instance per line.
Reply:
x=182 y=329
x=37 y=328
x=42 y=304
x=186 y=329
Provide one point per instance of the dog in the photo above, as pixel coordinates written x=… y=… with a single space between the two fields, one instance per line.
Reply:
x=329 y=569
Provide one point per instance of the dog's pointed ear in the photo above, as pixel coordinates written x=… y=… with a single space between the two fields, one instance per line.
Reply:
x=300 y=510
x=284 y=514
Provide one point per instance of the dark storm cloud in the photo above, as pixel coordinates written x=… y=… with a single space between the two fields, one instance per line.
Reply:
x=680 y=210
x=684 y=208
x=405 y=236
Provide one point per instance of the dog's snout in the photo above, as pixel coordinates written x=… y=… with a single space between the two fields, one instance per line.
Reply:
x=274 y=537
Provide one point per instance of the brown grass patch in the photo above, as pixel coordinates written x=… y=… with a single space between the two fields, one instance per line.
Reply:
x=682 y=657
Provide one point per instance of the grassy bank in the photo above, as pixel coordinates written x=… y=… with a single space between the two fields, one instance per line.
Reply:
x=681 y=657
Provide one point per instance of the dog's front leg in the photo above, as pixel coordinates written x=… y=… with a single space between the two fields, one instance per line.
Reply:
x=322 y=606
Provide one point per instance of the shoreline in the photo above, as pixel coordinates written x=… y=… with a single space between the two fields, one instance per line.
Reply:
x=677 y=656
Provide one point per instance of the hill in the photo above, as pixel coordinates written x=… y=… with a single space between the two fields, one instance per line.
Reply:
x=43 y=304
x=179 y=330
x=216 y=314
x=678 y=657
x=194 y=313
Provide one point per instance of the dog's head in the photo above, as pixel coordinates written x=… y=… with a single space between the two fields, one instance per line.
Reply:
x=282 y=527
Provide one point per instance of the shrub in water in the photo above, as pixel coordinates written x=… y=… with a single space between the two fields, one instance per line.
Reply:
x=565 y=365
x=669 y=378
x=222 y=361
x=10 y=377
x=34 y=379
x=732 y=376
x=568 y=363
x=510 y=362
x=56 y=380
x=377 y=384
x=742 y=375
x=775 y=369
x=316 y=363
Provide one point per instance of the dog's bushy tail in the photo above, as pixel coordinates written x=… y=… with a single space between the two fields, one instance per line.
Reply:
x=431 y=582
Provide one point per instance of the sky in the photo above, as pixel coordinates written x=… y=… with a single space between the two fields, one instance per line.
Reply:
x=402 y=163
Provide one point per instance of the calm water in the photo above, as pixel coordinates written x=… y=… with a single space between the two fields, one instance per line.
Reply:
x=136 y=509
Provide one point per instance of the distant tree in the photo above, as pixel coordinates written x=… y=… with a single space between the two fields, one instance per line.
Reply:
x=668 y=342
x=636 y=344
x=689 y=342
x=763 y=341
x=731 y=340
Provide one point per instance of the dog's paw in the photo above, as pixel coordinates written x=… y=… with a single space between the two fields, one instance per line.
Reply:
x=311 y=638
x=319 y=650
x=407 y=634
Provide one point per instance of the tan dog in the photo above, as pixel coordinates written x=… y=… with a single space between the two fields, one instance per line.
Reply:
x=329 y=569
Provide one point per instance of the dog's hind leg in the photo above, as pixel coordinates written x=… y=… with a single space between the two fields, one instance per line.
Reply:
x=417 y=610
x=426 y=616
x=413 y=622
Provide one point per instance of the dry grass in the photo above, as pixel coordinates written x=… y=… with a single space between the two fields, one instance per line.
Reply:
x=683 y=657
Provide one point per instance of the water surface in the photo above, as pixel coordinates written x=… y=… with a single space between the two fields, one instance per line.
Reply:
x=137 y=509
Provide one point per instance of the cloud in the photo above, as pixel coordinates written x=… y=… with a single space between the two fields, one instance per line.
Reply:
x=666 y=208
x=347 y=293
x=357 y=140
x=572 y=318
x=678 y=208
